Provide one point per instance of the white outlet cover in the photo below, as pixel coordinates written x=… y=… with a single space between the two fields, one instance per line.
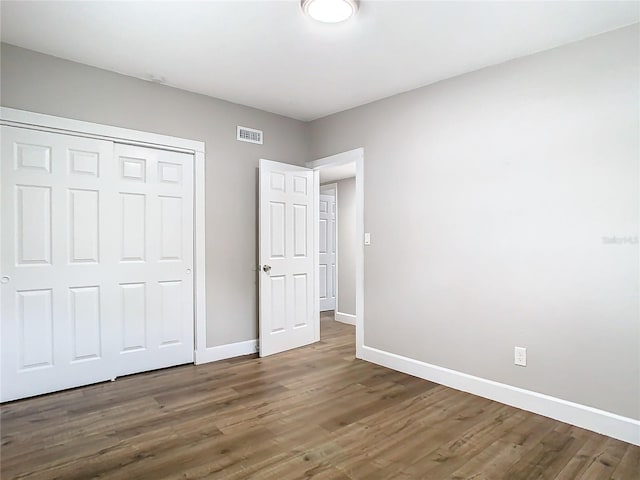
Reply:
x=520 y=356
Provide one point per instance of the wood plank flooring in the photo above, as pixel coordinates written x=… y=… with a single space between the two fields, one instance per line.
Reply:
x=314 y=412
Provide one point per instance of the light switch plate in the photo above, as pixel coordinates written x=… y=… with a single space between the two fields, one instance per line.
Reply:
x=367 y=239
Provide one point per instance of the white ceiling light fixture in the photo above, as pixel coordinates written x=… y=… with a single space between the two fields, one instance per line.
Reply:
x=330 y=11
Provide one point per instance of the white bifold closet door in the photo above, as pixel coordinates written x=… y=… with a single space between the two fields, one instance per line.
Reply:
x=96 y=259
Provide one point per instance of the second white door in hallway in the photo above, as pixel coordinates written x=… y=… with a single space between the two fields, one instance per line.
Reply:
x=327 y=249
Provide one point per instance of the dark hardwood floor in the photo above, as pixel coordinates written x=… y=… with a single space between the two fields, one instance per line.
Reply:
x=314 y=412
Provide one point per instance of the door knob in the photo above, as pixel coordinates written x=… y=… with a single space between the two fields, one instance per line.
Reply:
x=5 y=279
x=266 y=268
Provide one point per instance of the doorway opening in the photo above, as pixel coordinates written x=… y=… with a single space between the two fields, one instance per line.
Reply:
x=340 y=264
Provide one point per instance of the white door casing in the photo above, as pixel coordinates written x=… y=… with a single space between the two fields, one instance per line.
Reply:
x=289 y=316
x=327 y=252
x=92 y=285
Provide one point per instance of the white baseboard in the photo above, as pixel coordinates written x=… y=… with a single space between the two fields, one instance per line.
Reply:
x=345 y=318
x=600 y=421
x=230 y=350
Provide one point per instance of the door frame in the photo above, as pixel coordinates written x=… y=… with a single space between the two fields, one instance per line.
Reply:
x=356 y=155
x=12 y=117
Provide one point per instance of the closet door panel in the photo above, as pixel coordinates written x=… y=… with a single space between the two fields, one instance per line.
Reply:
x=54 y=262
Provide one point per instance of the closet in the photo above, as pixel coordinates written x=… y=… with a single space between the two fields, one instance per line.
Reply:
x=96 y=260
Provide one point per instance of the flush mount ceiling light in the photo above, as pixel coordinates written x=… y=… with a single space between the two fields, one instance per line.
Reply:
x=330 y=11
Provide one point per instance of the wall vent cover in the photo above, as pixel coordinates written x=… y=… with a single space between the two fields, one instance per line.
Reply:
x=250 y=135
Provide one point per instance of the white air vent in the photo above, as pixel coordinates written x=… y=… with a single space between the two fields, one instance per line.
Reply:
x=249 y=135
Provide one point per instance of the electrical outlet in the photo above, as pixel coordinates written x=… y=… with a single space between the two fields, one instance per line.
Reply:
x=520 y=356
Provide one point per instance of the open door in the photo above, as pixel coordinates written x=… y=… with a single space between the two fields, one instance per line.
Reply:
x=289 y=316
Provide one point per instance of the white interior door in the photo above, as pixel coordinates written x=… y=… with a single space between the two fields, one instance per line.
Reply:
x=153 y=278
x=327 y=249
x=54 y=327
x=289 y=317
x=97 y=244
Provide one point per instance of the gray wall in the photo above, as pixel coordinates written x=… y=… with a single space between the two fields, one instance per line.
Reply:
x=488 y=196
x=45 y=84
x=346 y=246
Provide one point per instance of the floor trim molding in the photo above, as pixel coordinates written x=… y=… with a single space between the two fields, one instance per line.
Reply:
x=347 y=318
x=600 y=421
x=230 y=350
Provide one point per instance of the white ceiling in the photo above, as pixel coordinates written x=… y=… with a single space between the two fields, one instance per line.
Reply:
x=266 y=54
